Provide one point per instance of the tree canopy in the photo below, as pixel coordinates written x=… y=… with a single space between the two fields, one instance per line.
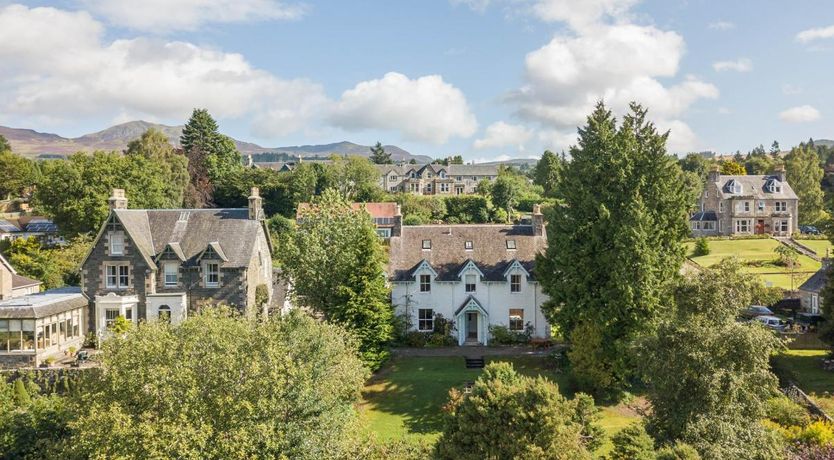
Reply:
x=379 y=155
x=211 y=156
x=17 y=174
x=548 y=171
x=732 y=168
x=615 y=244
x=804 y=174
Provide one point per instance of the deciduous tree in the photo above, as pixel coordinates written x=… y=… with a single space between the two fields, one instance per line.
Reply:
x=732 y=168
x=17 y=174
x=804 y=174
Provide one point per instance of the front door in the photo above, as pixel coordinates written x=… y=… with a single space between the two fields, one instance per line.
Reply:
x=760 y=226
x=471 y=326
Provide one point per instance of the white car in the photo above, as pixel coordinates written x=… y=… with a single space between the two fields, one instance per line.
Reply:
x=771 y=322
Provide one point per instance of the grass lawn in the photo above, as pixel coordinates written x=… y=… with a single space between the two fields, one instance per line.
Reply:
x=758 y=256
x=805 y=368
x=819 y=246
x=405 y=398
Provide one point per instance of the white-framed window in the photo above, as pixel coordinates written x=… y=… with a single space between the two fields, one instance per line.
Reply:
x=444 y=188
x=392 y=178
x=426 y=244
x=425 y=283
x=743 y=226
x=782 y=226
x=471 y=283
x=428 y=187
x=129 y=313
x=510 y=244
x=780 y=206
x=468 y=245
x=425 y=320
x=117 y=244
x=761 y=204
x=696 y=225
x=709 y=225
x=459 y=178
x=515 y=283
x=746 y=206
x=110 y=315
x=516 y=319
x=117 y=276
x=171 y=271
x=212 y=275
x=383 y=232
x=815 y=304
x=720 y=206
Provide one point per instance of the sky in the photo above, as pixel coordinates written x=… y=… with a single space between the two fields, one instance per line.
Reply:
x=488 y=79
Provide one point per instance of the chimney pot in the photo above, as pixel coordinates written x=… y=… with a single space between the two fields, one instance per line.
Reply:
x=117 y=199
x=256 y=209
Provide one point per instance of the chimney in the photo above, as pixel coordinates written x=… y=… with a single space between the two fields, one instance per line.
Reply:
x=538 y=220
x=397 y=229
x=118 y=200
x=780 y=173
x=714 y=173
x=256 y=207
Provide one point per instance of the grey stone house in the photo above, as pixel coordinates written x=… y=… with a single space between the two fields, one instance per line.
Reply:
x=810 y=292
x=746 y=205
x=149 y=264
x=434 y=179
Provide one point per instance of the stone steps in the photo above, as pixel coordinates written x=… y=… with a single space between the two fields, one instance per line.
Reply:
x=475 y=363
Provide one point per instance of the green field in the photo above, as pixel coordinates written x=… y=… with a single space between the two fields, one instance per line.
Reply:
x=804 y=367
x=758 y=256
x=405 y=398
x=819 y=246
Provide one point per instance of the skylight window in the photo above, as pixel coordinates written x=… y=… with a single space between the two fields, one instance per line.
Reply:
x=510 y=244
x=468 y=245
x=426 y=244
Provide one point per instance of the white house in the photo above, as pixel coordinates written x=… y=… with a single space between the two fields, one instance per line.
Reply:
x=475 y=275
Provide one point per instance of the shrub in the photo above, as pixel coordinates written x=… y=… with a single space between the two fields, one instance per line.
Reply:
x=633 y=443
x=701 y=247
x=413 y=219
x=818 y=433
x=679 y=451
x=416 y=339
x=502 y=335
x=786 y=412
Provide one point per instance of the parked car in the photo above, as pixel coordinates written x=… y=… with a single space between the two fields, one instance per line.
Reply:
x=772 y=322
x=756 y=310
x=809 y=230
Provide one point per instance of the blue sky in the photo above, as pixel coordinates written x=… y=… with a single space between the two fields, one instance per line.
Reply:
x=483 y=78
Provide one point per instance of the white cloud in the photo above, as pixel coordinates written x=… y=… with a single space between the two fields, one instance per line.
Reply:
x=815 y=34
x=426 y=109
x=800 y=114
x=739 y=65
x=501 y=134
x=790 y=90
x=556 y=140
x=721 y=25
x=582 y=13
x=171 y=15
x=57 y=63
x=681 y=137
x=606 y=58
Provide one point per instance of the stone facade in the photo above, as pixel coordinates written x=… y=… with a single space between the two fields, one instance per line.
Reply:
x=746 y=205
x=169 y=262
x=435 y=179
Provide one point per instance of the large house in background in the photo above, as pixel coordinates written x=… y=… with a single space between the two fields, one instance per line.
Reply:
x=475 y=275
x=14 y=226
x=14 y=285
x=745 y=205
x=386 y=216
x=434 y=179
x=148 y=264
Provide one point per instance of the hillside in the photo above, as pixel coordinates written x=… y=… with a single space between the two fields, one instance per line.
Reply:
x=34 y=144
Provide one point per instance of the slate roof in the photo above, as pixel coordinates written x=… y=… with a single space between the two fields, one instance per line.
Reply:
x=706 y=215
x=816 y=282
x=193 y=230
x=451 y=170
x=754 y=187
x=376 y=210
x=19 y=281
x=43 y=304
x=448 y=254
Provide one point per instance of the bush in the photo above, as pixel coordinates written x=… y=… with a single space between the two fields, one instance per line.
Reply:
x=416 y=339
x=701 y=247
x=413 y=219
x=502 y=335
x=786 y=412
x=679 y=451
x=633 y=443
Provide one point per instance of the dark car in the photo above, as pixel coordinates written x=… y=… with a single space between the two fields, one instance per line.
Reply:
x=756 y=310
x=809 y=230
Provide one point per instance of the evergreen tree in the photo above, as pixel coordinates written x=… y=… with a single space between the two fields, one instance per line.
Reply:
x=337 y=266
x=616 y=243
x=379 y=155
x=775 y=149
x=212 y=157
x=547 y=172
x=804 y=175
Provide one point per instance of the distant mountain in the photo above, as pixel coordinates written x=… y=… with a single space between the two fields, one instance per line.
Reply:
x=825 y=142
x=46 y=145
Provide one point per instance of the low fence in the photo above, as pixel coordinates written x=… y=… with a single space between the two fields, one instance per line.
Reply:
x=798 y=396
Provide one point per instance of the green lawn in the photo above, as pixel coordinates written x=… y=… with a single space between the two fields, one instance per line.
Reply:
x=758 y=256
x=805 y=368
x=819 y=246
x=405 y=398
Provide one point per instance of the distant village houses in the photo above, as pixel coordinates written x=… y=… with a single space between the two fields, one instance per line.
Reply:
x=435 y=179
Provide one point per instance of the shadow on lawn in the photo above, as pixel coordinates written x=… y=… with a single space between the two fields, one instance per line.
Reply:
x=416 y=388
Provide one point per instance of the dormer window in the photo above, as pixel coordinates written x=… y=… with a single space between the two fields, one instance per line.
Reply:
x=171 y=270
x=212 y=274
x=773 y=186
x=117 y=244
x=468 y=245
x=510 y=244
x=471 y=283
x=426 y=244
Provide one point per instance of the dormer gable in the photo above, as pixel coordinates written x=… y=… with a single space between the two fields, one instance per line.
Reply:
x=423 y=267
x=733 y=186
x=515 y=266
x=773 y=185
x=213 y=252
x=172 y=251
x=468 y=266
